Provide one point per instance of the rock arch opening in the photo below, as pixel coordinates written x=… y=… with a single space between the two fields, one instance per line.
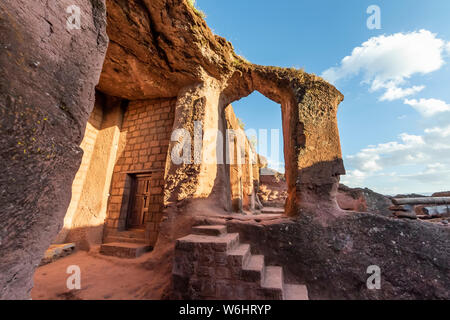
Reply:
x=260 y=120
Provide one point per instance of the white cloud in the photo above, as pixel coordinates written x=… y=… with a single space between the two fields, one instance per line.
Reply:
x=432 y=176
x=354 y=178
x=394 y=93
x=370 y=160
x=427 y=156
x=439 y=132
x=428 y=107
x=385 y=62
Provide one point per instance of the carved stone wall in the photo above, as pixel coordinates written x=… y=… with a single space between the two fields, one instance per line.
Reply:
x=48 y=76
x=143 y=146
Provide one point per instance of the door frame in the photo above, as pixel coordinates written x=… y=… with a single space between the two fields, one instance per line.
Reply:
x=134 y=183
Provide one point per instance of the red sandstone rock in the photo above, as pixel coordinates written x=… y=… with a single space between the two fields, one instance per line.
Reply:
x=405 y=214
x=400 y=208
x=310 y=253
x=158 y=47
x=363 y=200
x=162 y=49
x=349 y=203
x=441 y=194
x=217 y=266
x=273 y=190
x=47 y=80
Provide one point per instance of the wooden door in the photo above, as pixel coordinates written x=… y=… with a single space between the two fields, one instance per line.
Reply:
x=140 y=202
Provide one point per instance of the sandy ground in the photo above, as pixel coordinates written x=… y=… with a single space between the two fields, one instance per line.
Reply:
x=102 y=278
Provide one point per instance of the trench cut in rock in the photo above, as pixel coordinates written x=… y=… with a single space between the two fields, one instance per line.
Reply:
x=211 y=263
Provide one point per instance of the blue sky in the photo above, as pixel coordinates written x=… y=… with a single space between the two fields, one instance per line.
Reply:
x=395 y=120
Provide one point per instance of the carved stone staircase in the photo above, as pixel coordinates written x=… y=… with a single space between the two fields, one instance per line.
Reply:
x=125 y=244
x=211 y=263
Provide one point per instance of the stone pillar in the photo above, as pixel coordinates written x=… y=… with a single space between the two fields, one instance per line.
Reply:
x=200 y=122
x=236 y=173
x=316 y=147
x=248 y=189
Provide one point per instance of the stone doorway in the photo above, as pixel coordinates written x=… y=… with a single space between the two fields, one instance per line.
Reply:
x=140 y=199
x=136 y=200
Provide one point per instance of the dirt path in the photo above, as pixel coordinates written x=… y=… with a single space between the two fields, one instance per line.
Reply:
x=102 y=278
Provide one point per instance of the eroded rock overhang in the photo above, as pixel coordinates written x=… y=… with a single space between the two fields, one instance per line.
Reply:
x=165 y=49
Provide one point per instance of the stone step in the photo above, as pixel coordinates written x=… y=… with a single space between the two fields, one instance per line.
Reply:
x=295 y=292
x=124 y=250
x=130 y=234
x=210 y=230
x=272 y=210
x=239 y=256
x=273 y=283
x=204 y=243
x=254 y=269
x=110 y=239
x=213 y=257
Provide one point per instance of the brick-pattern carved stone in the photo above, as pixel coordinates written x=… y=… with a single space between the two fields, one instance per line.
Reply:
x=145 y=137
x=213 y=264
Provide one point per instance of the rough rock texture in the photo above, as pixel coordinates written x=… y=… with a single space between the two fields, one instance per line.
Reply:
x=158 y=47
x=332 y=259
x=163 y=48
x=410 y=195
x=273 y=190
x=312 y=148
x=47 y=80
x=441 y=194
x=363 y=200
x=311 y=139
x=351 y=200
x=211 y=264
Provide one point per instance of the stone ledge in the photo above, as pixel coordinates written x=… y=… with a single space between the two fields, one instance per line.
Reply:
x=57 y=251
x=124 y=250
x=210 y=230
x=208 y=243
